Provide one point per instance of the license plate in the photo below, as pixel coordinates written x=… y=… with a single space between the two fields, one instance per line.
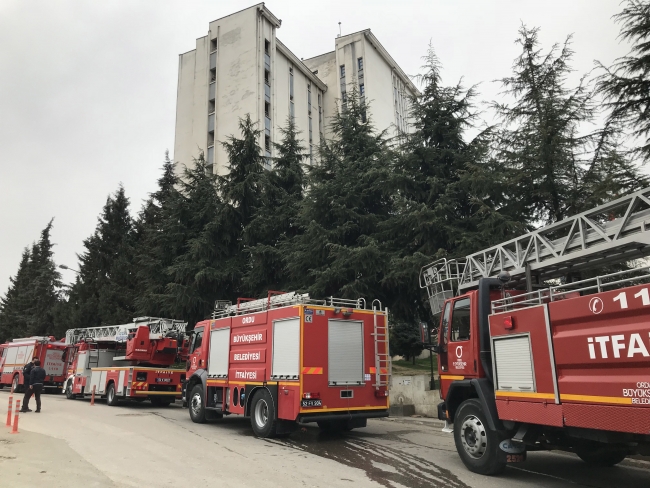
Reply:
x=163 y=380
x=311 y=403
x=516 y=458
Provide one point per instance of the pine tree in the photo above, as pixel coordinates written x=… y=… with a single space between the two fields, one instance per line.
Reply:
x=200 y=273
x=28 y=308
x=441 y=186
x=104 y=291
x=159 y=241
x=275 y=222
x=556 y=167
x=338 y=251
x=626 y=85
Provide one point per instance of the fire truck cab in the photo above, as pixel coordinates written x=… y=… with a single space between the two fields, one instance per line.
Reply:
x=17 y=353
x=287 y=359
x=533 y=355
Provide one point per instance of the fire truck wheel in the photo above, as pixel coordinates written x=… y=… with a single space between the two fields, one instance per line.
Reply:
x=476 y=443
x=111 y=397
x=68 y=391
x=197 y=408
x=18 y=388
x=599 y=455
x=263 y=418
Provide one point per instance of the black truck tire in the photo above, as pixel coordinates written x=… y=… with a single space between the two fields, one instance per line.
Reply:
x=601 y=455
x=17 y=387
x=263 y=415
x=477 y=445
x=68 y=391
x=196 y=404
x=111 y=397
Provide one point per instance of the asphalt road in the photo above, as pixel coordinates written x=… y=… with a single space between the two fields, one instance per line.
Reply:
x=72 y=444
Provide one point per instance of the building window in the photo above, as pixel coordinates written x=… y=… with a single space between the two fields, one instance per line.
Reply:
x=311 y=154
x=362 y=90
x=360 y=64
x=213 y=45
x=267 y=77
x=310 y=131
x=342 y=71
x=267 y=143
x=290 y=83
x=267 y=46
x=344 y=97
x=267 y=54
x=309 y=99
x=320 y=114
x=211 y=106
x=291 y=110
x=267 y=109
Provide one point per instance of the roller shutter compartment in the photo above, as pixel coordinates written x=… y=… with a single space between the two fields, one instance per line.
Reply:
x=345 y=352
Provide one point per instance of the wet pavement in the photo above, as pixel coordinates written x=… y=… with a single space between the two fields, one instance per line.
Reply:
x=138 y=445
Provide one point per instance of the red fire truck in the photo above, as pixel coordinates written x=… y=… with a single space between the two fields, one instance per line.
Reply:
x=130 y=361
x=543 y=344
x=17 y=353
x=287 y=359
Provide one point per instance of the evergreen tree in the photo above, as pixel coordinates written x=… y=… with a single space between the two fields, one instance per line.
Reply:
x=406 y=340
x=197 y=275
x=442 y=190
x=159 y=241
x=275 y=222
x=28 y=308
x=626 y=85
x=554 y=165
x=338 y=251
x=104 y=291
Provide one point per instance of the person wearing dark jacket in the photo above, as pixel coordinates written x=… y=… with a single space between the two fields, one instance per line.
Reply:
x=27 y=369
x=36 y=379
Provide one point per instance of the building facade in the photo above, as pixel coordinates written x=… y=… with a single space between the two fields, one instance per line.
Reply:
x=240 y=67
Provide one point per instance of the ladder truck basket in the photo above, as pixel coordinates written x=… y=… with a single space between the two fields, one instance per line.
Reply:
x=441 y=279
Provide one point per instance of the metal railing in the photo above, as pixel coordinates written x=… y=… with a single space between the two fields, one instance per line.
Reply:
x=227 y=309
x=629 y=277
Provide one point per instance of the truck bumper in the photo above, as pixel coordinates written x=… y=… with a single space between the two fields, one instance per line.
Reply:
x=324 y=417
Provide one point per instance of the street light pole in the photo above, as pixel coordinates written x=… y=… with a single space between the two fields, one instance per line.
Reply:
x=63 y=266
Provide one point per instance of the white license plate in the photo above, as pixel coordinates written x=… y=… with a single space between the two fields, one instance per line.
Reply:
x=163 y=380
x=311 y=403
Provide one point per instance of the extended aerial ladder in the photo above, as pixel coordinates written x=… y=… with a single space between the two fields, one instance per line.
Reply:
x=158 y=328
x=616 y=232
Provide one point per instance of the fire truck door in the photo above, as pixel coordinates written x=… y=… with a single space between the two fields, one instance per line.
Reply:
x=443 y=338
x=460 y=354
x=196 y=351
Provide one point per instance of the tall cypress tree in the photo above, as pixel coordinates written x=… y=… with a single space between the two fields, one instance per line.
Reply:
x=626 y=85
x=159 y=241
x=556 y=166
x=105 y=288
x=338 y=251
x=275 y=222
x=28 y=308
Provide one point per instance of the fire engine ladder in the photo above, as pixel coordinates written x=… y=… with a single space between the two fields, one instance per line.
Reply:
x=158 y=327
x=616 y=232
x=382 y=354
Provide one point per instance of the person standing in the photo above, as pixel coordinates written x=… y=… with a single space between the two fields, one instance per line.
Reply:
x=36 y=379
x=27 y=370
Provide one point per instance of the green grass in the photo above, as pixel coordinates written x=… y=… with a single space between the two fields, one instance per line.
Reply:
x=420 y=364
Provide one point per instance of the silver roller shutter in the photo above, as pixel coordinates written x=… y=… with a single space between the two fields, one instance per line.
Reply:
x=286 y=349
x=219 y=351
x=345 y=352
x=514 y=364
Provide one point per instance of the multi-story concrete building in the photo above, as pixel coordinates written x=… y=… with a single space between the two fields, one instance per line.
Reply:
x=240 y=67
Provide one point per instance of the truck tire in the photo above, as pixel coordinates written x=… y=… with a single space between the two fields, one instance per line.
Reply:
x=68 y=391
x=477 y=445
x=17 y=387
x=111 y=397
x=263 y=417
x=197 y=407
x=601 y=455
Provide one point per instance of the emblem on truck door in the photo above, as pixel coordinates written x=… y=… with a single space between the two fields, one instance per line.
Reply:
x=459 y=352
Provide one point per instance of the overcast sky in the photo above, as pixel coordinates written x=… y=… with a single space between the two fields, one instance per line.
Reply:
x=88 y=89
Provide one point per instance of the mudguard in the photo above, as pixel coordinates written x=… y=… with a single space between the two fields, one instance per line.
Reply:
x=480 y=388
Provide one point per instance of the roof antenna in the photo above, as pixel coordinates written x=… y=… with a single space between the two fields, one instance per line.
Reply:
x=339 y=30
